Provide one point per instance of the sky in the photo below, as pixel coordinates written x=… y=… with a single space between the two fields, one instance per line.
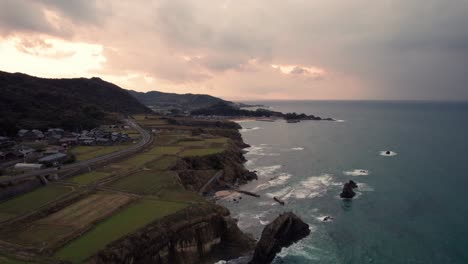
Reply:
x=246 y=49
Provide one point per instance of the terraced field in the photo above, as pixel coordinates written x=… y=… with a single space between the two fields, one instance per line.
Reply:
x=32 y=201
x=89 y=177
x=144 y=191
x=50 y=230
x=148 y=182
x=200 y=152
x=89 y=152
x=116 y=227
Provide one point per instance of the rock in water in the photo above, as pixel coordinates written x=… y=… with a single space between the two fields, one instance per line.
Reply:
x=347 y=191
x=282 y=232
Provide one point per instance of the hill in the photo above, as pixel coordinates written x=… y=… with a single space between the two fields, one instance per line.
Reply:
x=32 y=102
x=155 y=99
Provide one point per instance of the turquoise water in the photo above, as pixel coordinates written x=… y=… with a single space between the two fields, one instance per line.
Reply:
x=411 y=207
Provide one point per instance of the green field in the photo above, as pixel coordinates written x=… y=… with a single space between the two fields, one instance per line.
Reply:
x=89 y=177
x=6 y=260
x=89 y=152
x=217 y=140
x=163 y=163
x=148 y=182
x=50 y=230
x=115 y=227
x=31 y=201
x=163 y=150
x=200 y=152
x=138 y=160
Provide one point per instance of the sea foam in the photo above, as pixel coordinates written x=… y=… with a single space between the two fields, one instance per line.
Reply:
x=356 y=172
x=260 y=151
x=314 y=186
x=384 y=153
x=297 y=148
x=249 y=129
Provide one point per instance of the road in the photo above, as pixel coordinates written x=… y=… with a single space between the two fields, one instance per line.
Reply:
x=146 y=140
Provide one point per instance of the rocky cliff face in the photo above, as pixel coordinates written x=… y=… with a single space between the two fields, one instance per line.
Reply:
x=197 y=234
x=282 y=232
x=230 y=162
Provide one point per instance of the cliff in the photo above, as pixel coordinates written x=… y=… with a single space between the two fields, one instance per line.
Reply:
x=197 y=234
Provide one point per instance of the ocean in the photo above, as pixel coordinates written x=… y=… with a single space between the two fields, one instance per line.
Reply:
x=411 y=206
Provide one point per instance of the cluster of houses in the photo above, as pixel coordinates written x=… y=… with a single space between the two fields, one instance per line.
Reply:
x=58 y=136
x=57 y=142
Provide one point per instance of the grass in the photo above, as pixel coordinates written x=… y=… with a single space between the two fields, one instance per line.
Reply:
x=6 y=260
x=217 y=140
x=163 y=150
x=192 y=143
x=163 y=163
x=89 y=152
x=147 y=182
x=138 y=160
x=200 y=152
x=180 y=195
x=119 y=225
x=31 y=201
x=50 y=230
x=89 y=177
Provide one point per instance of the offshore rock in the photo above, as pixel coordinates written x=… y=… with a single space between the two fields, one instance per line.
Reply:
x=282 y=232
x=347 y=191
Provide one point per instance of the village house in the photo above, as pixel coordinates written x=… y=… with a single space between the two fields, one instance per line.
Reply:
x=28 y=166
x=6 y=142
x=54 y=159
x=34 y=134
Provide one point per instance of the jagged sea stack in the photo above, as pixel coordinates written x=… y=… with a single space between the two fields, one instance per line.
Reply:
x=347 y=191
x=282 y=232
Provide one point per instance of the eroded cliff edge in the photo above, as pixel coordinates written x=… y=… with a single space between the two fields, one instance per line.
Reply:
x=197 y=234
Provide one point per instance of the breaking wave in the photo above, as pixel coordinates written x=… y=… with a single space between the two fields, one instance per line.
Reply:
x=356 y=172
x=249 y=129
x=391 y=154
x=260 y=151
x=275 y=181
x=314 y=186
x=297 y=148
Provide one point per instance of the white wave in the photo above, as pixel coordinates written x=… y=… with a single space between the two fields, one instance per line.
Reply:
x=297 y=148
x=260 y=151
x=391 y=154
x=356 y=172
x=267 y=170
x=364 y=187
x=314 y=186
x=323 y=218
x=301 y=249
x=249 y=129
x=276 y=181
x=246 y=220
x=340 y=120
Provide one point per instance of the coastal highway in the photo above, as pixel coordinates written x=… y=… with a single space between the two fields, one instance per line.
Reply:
x=147 y=139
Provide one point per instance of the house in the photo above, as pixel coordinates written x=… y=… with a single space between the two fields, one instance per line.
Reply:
x=53 y=159
x=70 y=141
x=8 y=155
x=34 y=134
x=87 y=140
x=25 y=150
x=103 y=141
x=28 y=166
x=6 y=142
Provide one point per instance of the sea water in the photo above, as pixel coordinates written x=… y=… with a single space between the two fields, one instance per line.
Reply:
x=411 y=204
